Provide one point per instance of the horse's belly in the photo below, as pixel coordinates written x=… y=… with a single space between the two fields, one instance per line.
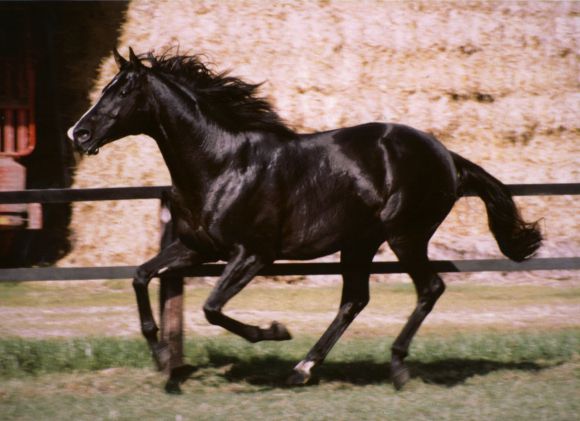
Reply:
x=310 y=247
x=326 y=231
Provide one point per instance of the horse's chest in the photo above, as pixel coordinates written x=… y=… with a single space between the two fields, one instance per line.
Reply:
x=229 y=212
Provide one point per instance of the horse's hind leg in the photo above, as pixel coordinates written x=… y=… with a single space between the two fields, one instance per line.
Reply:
x=412 y=253
x=355 y=266
x=175 y=256
x=238 y=273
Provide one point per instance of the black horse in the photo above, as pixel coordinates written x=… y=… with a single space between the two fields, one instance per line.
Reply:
x=249 y=190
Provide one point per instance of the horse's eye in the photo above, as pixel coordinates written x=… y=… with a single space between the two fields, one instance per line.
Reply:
x=124 y=92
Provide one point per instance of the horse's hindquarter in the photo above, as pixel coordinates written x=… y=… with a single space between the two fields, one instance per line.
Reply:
x=423 y=180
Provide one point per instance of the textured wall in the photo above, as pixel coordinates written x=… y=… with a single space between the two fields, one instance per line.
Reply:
x=496 y=82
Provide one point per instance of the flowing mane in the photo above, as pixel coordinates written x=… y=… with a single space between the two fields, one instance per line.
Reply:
x=227 y=100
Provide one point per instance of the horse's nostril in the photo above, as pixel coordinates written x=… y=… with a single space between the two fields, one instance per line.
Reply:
x=82 y=135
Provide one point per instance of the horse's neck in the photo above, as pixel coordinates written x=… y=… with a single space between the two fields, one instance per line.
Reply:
x=191 y=147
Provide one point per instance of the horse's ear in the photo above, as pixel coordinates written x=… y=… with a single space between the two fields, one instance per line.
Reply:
x=135 y=61
x=121 y=62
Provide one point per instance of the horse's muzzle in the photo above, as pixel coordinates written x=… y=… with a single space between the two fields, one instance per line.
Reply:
x=81 y=139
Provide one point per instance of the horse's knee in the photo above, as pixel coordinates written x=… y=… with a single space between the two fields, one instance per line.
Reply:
x=429 y=296
x=352 y=309
x=141 y=278
x=149 y=328
x=362 y=303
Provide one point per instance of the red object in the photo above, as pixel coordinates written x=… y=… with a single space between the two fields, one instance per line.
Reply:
x=17 y=139
x=18 y=134
x=12 y=177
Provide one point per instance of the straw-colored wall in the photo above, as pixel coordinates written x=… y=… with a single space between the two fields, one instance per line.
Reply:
x=497 y=82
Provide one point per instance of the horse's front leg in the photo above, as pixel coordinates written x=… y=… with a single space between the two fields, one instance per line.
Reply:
x=173 y=257
x=239 y=271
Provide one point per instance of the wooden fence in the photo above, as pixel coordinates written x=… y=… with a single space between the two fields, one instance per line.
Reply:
x=171 y=289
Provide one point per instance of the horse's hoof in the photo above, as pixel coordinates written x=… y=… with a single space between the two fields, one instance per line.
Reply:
x=172 y=387
x=177 y=377
x=182 y=373
x=279 y=332
x=298 y=378
x=400 y=377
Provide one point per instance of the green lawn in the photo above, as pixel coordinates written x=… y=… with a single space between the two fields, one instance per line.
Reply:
x=472 y=376
x=72 y=351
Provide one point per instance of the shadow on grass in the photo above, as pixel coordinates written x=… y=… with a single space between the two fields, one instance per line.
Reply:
x=273 y=371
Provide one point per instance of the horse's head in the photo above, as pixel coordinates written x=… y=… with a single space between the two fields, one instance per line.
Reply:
x=120 y=111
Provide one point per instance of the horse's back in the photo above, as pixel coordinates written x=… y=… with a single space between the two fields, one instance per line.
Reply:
x=394 y=156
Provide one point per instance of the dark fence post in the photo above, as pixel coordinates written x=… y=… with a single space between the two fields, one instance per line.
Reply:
x=170 y=297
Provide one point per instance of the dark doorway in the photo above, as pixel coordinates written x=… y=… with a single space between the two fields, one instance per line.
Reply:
x=66 y=42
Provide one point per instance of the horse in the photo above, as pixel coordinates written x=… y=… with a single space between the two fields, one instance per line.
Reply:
x=249 y=190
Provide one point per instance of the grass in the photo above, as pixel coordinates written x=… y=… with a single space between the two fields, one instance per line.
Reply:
x=131 y=394
x=491 y=366
x=23 y=357
x=472 y=376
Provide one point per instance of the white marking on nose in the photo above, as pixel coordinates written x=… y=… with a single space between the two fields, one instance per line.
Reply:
x=70 y=132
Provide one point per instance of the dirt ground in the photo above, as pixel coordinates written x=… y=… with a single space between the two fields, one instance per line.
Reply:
x=496 y=81
x=308 y=307
x=122 y=320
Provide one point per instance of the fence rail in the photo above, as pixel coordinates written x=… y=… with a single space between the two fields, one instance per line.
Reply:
x=279 y=269
x=286 y=269
x=156 y=192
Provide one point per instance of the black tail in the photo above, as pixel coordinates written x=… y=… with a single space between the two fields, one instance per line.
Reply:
x=516 y=238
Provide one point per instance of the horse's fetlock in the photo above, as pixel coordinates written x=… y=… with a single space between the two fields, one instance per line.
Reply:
x=212 y=314
x=254 y=335
x=398 y=354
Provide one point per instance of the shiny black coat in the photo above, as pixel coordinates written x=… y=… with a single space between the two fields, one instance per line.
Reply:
x=311 y=195
x=249 y=190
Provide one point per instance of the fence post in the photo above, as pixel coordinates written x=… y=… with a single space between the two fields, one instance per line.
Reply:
x=170 y=297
